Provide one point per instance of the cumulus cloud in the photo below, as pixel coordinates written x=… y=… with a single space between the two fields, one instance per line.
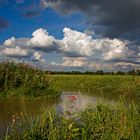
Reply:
x=77 y=44
x=38 y=56
x=75 y=50
x=16 y=52
x=74 y=62
x=41 y=40
x=12 y=42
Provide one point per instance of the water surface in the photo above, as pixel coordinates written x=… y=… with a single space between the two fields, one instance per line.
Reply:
x=11 y=106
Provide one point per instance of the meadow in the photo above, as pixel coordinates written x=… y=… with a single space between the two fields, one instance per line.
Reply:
x=18 y=79
x=97 y=84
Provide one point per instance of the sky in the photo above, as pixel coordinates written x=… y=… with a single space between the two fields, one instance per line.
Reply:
x=66 y=35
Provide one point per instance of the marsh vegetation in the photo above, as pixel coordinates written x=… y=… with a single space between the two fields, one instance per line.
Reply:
x=100 y=122
x=33 y=88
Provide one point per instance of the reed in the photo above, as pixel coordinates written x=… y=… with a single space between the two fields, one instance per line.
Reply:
x=100 y=122
x=18 y=79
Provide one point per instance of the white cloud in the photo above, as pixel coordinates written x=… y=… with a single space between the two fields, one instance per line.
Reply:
x=77 y=49
x=15 y=52
x=74 y=62
x=38 y=56
x=10 y=42
x=13 y=42
x=41 y=39
x=113 y=49
x=76 y=43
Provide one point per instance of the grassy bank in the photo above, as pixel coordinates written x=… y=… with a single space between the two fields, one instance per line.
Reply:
x=101 y=122
x=23 y=80
x=97 y=84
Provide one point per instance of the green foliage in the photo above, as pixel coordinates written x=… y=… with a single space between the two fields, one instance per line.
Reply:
x=98 y=72
x=22 y=79
x=113 y=85
x=100 y=122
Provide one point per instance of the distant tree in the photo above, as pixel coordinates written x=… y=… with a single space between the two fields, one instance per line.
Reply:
x=120 y=73
x=132 y=72
x=99 y=72
x=89 y=73
x=138 y=72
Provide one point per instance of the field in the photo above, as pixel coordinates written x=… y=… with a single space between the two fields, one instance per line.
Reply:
x=97 y=84
x=23 y=80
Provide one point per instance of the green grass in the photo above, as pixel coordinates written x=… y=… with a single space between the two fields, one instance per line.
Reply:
x=96 y=84
x=23 y=80
x=100 y=122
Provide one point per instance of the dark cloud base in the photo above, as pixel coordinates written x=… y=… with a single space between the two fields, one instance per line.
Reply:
x=120 y=19
x=111 y=18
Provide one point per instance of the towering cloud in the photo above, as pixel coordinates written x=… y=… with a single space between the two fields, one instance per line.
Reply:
x=41 y=40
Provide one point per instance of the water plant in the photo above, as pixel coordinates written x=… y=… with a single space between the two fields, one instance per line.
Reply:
x=100 y=122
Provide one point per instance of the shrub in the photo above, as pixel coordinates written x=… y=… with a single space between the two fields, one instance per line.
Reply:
x=22 y=79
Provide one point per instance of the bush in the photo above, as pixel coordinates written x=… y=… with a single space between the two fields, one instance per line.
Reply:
x=22 y=79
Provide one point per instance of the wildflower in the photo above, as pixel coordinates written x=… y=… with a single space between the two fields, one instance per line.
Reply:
x=72 y=97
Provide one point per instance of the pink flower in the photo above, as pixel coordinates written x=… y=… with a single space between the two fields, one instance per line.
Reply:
x=72 y=97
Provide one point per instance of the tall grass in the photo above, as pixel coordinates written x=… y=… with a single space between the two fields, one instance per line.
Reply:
x=100 y=122
x=22 y=79
x=96 y=84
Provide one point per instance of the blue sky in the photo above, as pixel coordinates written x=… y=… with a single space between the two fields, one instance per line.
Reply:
x=20 y=26
x=71 y=35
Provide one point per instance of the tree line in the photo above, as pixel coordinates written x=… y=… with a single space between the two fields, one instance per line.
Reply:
x=98 y=72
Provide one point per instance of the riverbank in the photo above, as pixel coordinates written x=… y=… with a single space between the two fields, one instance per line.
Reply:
x=97 y=84
x=17 y=80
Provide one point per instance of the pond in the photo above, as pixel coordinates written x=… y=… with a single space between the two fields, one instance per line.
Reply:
x=11 y=106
